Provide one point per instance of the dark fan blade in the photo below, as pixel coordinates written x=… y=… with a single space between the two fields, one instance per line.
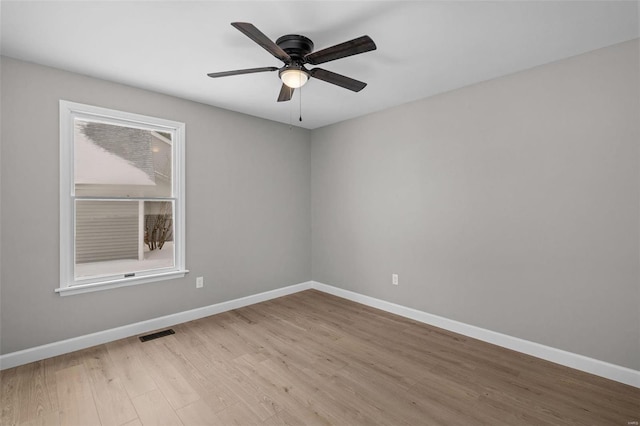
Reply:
x=256 y=35
x=238 y=72
x=337 y=79
x=286 y=93
x=342 y=50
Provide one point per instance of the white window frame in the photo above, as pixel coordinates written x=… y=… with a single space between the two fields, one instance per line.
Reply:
x=69 y=111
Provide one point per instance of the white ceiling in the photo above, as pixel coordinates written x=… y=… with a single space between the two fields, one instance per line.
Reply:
x=424 y=48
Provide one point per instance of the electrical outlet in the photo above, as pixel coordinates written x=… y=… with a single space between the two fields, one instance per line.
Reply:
x=394 y=279
x=199 y=282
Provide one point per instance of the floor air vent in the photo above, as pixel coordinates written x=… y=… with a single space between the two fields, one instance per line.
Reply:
x=157 y=335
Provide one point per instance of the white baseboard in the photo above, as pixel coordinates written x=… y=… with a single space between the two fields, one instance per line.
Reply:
x=38 y=353
x=568 y=359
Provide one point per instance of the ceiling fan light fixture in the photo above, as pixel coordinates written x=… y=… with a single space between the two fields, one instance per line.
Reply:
x=295 y=51
x=294 y=78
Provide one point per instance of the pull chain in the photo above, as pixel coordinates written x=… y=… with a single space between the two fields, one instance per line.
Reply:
x=300 y=119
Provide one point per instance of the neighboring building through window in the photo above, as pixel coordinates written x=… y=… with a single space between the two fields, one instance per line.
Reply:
x=121 y=198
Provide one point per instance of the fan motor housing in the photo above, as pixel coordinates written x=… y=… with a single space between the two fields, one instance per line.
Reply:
x=297 y=46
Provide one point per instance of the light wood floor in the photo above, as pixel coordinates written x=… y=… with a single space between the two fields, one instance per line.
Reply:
x=308 y=358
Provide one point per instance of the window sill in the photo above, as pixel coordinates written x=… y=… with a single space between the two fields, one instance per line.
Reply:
x=122 y=282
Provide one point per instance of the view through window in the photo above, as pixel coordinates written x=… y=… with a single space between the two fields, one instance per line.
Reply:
x=123 y=196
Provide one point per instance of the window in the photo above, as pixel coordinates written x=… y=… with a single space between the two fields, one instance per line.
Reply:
x=121 y=199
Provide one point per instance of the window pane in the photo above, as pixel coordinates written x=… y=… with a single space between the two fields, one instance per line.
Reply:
x=112 y=160
x=122 y=237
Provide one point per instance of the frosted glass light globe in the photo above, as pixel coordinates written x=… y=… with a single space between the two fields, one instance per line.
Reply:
x=294 y=78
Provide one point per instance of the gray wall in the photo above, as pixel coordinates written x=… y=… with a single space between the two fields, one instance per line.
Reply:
x=248 y=200
x=511 y=205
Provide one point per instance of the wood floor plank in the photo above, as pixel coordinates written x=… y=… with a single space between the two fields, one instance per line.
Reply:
x=197 y=413
x=210 y=378
x=278 y=388
x=237 y=415
x=344 y=389
x=111 y=398
x=394 y=401
x=52 y=366
x=9 y=400
x=81 y=414
x=309 y=358
x=180 y=355
x=33 y=392
x=154 y=410
x=25 y=395
x=171 y=383
x=73 y=388
x=49 y=418
x=75 y=398
x=285 y=418
x=230 y=386
x=297 y=388
x=133 y=373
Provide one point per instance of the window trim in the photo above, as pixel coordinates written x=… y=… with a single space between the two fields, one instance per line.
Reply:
x=68 y=112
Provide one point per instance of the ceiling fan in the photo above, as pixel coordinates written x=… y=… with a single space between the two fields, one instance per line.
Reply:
x=296 y=51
